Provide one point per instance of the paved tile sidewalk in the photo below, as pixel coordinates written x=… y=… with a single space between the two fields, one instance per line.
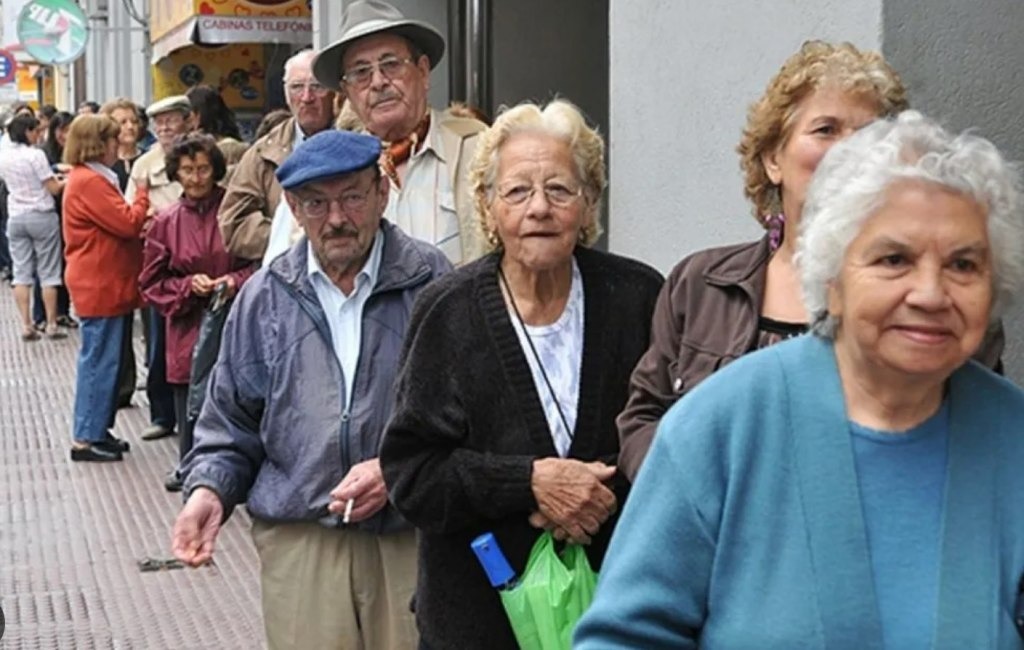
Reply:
x=71 y=533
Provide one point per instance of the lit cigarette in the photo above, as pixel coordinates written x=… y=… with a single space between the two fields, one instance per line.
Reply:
x=348 y=510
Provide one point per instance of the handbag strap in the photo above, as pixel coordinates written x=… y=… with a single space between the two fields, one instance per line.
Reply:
x=533 y=350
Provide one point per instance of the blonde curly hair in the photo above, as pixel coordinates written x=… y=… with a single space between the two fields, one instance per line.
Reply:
x=560 y=119
x=770 y=119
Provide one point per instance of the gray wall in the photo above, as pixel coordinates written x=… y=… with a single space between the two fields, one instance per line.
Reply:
x=116 y=56
x=565 y=55
x=682 y=74
x=962 y=62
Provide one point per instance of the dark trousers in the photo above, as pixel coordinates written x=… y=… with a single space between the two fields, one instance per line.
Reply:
x=39 y=313
x=161 y=399
x=5 y=247
x=126 y=374
x=180 y=392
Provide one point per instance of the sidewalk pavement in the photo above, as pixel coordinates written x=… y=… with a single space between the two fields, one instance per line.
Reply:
x=71 y=534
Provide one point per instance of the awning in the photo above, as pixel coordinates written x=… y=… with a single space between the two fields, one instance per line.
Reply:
x=221 y=30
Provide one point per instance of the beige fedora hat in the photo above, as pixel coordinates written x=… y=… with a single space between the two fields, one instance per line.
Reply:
x=367 y=17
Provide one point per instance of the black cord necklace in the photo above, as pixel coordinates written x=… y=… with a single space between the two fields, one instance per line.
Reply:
x=529 y=341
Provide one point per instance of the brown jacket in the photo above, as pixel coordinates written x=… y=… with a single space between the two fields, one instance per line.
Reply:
x=706 y=317
x=253 y=193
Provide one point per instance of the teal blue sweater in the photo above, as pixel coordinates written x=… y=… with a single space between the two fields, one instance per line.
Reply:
x=745 y=528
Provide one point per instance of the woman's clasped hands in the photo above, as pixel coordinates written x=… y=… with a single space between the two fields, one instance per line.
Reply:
x=573 y=500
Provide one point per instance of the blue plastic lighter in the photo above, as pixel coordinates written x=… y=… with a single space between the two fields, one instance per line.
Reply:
x=493 y=561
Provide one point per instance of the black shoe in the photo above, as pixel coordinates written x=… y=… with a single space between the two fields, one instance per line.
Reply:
x=67 y=321
x=110 y=442
x=95 y=453
x=173 y=482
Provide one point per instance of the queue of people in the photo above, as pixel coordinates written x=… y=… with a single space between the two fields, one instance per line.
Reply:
x=802 y=441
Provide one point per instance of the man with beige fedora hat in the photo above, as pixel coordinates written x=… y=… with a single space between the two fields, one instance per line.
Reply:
x=382 y=64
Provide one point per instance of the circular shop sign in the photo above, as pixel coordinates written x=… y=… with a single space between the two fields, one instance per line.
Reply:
x=53 y=31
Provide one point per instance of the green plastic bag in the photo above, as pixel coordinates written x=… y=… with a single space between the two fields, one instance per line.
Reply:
x=550 y=597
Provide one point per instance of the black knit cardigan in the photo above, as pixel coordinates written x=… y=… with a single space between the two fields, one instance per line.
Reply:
x=468 y=424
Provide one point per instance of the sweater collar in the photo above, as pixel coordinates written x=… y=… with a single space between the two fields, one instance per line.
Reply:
x=206 y=204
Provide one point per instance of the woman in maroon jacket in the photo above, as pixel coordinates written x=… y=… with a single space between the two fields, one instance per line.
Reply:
x=185 y=260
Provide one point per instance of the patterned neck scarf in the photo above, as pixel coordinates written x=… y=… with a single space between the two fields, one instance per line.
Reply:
x=396 y=153
x=776 y=226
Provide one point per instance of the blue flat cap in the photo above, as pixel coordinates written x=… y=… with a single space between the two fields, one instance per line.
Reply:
x=326 y=154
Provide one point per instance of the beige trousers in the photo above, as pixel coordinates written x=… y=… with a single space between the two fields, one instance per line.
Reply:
x=329 y=589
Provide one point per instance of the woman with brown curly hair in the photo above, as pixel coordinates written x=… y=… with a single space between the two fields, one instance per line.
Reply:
x=719 y=304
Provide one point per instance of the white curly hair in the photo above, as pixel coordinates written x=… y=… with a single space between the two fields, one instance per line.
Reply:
x=851 y=182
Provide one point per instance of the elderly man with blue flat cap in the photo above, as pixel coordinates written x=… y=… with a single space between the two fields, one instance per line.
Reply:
x=297 y=405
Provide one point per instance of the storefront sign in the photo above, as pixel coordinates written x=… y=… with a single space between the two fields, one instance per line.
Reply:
x=175 y=23
x=233 y=29
x=53 y=31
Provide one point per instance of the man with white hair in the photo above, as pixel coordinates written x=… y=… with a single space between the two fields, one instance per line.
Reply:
x=254 y=193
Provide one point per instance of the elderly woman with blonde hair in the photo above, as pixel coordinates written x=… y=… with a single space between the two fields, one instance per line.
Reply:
x=859 y=487
x=514 y=368
x=719 y=304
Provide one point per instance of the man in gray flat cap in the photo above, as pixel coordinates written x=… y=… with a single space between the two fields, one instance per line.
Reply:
x=297 y=405
x=382 y=64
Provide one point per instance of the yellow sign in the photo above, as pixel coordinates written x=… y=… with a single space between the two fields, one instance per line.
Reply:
x=28 y=84
x=165 y=15
x=236 y=70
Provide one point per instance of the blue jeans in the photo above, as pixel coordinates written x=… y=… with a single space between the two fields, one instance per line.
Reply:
x=161 y=397
x=96 y=384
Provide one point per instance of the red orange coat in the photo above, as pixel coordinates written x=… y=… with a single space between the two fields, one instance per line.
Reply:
x=102 y=244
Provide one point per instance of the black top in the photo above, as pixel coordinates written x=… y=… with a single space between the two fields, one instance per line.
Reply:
x=123 y=169
x=771 y=331
x=468 y=424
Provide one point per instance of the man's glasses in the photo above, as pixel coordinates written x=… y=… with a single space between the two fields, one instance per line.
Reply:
x=557 y=194
x=299 y=88
x=318 y=207
x=360 y=76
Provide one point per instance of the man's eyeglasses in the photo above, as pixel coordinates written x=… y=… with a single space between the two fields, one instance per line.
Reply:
x=318 y=207
x=361 y=75
x=299 y=88
x=557 y=194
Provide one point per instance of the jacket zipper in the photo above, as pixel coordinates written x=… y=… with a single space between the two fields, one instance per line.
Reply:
x=319 y=320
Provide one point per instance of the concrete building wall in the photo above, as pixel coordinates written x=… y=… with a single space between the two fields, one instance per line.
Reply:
x=682 y=75
x=117 y=54
x=962 y=64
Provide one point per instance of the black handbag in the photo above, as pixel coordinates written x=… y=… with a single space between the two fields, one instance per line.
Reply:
x=204 y=355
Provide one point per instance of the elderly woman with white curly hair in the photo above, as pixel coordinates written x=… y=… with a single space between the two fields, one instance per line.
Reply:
x=858 y=487
x=514 y=369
